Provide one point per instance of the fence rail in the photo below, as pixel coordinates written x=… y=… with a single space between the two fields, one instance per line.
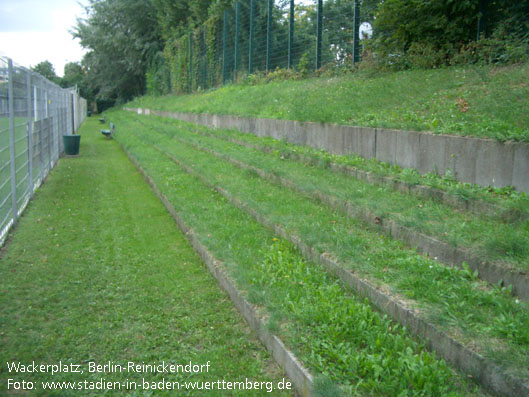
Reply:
x=34 y=114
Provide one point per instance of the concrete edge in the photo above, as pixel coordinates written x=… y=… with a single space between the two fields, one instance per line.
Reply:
x=442 y=252
x=299 y=375
x=484 y=371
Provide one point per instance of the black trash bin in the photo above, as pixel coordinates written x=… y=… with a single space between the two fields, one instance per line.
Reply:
x=71 y=144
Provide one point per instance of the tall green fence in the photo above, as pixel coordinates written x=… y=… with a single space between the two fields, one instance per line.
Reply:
x=263 y=35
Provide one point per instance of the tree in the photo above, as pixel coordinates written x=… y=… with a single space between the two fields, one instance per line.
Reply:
x=73 y=75
x=46 y=70
x=122 y=37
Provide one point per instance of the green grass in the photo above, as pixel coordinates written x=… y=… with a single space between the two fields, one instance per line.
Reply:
x=512 y=204
x=482 y=101
x=490 y=238
x=332 y=331
x=97 y=270
x=455 y=300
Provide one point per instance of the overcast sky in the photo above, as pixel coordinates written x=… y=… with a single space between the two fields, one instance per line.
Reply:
x=32 y=31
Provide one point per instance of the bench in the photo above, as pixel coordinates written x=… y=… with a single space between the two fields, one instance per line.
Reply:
x=110 y=132
x=103 y=119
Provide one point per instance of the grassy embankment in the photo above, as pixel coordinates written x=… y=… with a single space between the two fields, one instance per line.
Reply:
x=473 y=101
x=275 y=277
x=97 y=271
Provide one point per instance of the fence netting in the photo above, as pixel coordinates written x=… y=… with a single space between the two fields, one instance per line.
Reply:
x=34 y=114
x=265 y=35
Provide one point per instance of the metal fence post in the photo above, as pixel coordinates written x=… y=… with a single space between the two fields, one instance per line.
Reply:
x=55 y=104
x=250 y=40
x=224 y=30
x=49 y=128
x=319 y=29
x=30 y=132
x=483 y=8
x=236 y=51
x=41 y=135
x=191 y=61
x=11 y=104
x=356 y=32
x=291 y=36
x=269 y=33
x=204 y=57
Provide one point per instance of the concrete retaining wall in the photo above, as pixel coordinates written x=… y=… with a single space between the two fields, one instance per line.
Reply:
x=480 y=161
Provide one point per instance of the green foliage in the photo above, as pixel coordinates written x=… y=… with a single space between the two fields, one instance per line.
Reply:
x=435 y=33
x=75 y=75
x=122 y=38
x=500 y=47
x=163 y=46
x=46 y=69
x=303 y=65
x=158 y=76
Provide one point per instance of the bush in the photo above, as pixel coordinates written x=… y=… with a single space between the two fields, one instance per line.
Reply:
x=419 y=34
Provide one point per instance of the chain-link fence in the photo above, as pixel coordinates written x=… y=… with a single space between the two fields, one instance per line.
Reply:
x=263 y=35
x=254 y=37
x=34 y=114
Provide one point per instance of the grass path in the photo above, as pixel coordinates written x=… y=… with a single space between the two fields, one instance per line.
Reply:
x=97 y=271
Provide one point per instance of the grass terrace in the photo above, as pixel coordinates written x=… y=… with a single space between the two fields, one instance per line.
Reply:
x=474 y=312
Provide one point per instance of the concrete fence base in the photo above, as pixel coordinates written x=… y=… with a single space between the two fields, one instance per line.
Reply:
x=486 y=162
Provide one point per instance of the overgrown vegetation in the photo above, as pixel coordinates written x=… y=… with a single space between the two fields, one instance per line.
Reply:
x=419 y=34
x=163 y=47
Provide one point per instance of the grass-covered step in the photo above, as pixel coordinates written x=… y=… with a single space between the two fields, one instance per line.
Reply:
x=485 y=371
x=453 y=300
x=302 y=379
x=498 y=251
x=96 y=271
x=506 y=204
x=441 y=251
x=331 y=331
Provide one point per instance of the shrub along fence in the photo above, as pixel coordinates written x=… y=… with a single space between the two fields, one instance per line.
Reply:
x=34 y=114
